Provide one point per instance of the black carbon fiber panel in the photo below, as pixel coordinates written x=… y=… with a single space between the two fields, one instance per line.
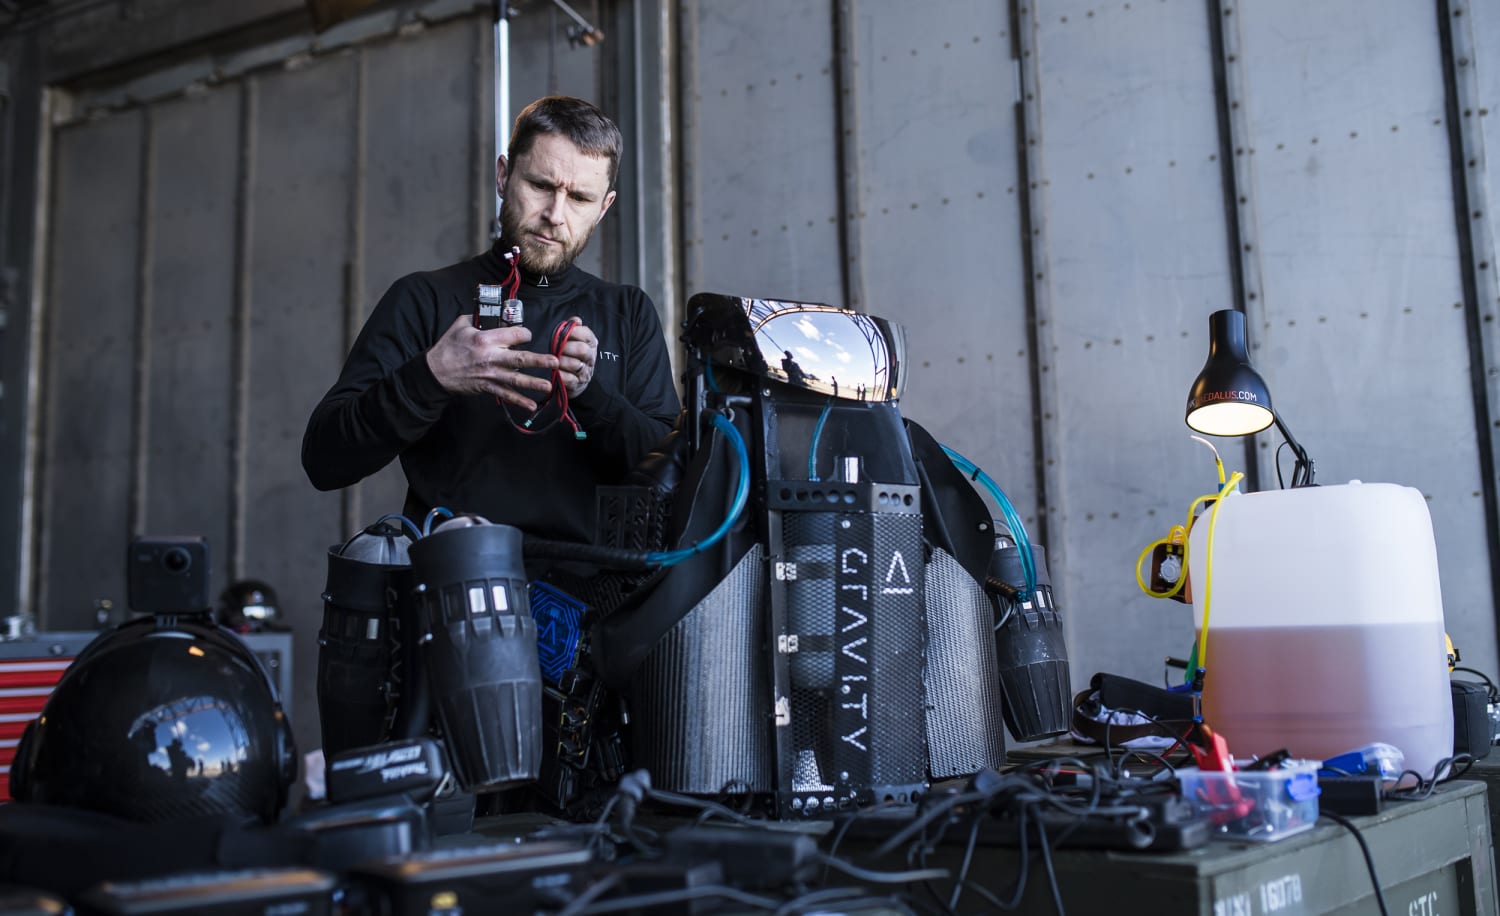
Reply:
x=965 y=724
x=702 y=697
x=854 y=606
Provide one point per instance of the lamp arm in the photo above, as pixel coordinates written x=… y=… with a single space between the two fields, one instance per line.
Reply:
x=1302 y=468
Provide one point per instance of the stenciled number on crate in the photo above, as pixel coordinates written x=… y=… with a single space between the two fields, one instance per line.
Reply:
x=1280 y=893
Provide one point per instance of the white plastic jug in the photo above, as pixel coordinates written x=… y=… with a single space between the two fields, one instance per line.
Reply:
x=1325 y=623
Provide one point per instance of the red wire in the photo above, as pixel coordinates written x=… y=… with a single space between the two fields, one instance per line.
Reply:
x=559 y=392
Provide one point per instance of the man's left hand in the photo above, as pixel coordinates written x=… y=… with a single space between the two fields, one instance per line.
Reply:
x=577 y=363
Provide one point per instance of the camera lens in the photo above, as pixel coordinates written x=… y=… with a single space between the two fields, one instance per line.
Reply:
x=176 y=560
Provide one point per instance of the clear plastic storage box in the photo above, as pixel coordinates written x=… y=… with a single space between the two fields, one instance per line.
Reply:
x=1258 y=805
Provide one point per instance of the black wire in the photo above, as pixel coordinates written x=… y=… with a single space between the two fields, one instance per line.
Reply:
x=1277 y=458
x=1364 y=848
x=590 y=894
x=963 y=870
x=883 y=877
x=1178 y=740
x=1493 y=691
x=703 y=805
x=1041 y=830
x=1447 y=769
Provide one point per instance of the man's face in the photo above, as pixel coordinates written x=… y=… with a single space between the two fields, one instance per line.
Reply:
x=555 y=194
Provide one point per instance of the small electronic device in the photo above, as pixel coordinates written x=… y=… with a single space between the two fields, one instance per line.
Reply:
x=168 y=575
x=493 y=309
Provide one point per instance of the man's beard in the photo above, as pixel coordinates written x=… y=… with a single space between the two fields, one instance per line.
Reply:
x=537 y=257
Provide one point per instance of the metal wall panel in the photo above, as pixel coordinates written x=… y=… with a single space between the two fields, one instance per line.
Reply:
x=1132 y=255
x=544 y=63
x=188 y=357
x=300 y=200
x=416 y=194
x=1474 y=61
x=938 y=219
x=1361 y=332
x=761 y=210
x=88 y=386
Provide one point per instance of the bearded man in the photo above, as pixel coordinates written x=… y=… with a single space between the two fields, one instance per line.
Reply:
x=476 y=415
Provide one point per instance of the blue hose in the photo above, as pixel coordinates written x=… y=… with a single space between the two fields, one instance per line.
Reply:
x=1012 y=518
x=812 y=451
x=741 y=497
x=397 y=516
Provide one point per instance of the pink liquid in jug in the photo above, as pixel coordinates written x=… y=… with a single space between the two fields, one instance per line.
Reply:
x=1319 y=691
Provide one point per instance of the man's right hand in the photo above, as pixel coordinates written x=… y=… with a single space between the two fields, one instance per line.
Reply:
x=467 y=360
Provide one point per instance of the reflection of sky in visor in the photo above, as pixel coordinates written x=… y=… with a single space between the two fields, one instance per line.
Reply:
x=836 y=351
x=205 y=728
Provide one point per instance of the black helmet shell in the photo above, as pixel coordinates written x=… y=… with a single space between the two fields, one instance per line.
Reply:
x=159 y=721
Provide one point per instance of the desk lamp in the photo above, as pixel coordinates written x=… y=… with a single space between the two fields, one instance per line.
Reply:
x=1229 y=398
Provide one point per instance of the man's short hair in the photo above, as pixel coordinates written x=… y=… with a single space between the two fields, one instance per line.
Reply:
x=585 y=125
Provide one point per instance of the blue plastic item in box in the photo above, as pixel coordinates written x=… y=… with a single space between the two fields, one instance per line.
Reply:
x=1376 y=757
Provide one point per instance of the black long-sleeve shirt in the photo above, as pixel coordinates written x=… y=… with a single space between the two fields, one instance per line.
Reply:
x=461 y=451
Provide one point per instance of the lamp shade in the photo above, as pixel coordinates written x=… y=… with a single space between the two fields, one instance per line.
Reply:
x=1228 y=398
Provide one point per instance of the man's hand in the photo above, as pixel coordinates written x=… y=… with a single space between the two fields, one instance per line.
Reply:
x=466 y=360
x=578 y=355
